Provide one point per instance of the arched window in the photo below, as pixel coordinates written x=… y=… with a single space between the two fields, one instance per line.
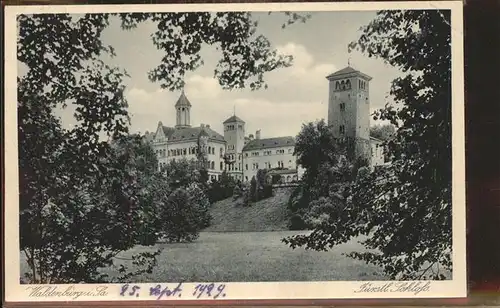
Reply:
x=288 y=178
x=221 y=166
x=337 y=86
x=342 y=85
x=348 y=84
x=213 y=165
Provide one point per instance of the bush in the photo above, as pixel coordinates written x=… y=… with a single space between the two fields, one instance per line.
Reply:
x=266 y=191
x=201 y=205
x=222 y=189
x=276 y=179
x=186 y=214
x=296 y=223
x=253 y=190
x=237 y=192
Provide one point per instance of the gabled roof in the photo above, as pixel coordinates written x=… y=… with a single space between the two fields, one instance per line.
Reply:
x=259 y=144
x=192 y=133
x=183 y=101
x=234 y=118
x=168 y=131
x=347 y=72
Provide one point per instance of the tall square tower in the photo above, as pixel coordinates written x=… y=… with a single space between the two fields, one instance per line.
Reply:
x=349 y=108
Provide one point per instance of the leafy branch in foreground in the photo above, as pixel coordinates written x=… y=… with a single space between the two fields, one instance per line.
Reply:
x=245 y=55
x=404 y=209
x=84 y=199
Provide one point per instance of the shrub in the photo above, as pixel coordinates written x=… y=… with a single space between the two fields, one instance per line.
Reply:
x=276 y=179
x=296 y=223
x=267 y=191
x=186 y=213
x=253 y=193
x=237 y=192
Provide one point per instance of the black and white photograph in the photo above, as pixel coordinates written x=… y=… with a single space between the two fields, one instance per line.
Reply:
x=165 y=151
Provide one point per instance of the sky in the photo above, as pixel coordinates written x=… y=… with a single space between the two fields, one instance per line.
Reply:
x=296 y=95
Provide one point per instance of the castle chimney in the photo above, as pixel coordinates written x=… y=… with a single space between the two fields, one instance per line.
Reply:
x=250 y=137
x=257 y=134
x=208 y=126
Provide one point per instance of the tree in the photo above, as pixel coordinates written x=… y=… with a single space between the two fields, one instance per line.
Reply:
x=319 y=153
x=183 y=172
x=186 y=213
x=66 y=209
x=253 y=189
x=382 y=132
x=246 y=56
x=222 y=189
x=65 y=174
x=405 y=209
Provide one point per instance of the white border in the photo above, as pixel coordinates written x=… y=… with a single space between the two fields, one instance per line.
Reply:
x=240 y=291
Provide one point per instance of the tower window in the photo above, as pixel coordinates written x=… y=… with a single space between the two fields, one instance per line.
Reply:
x=342 y=129
x=337 y=86
x=342 y=106
x=348 y=84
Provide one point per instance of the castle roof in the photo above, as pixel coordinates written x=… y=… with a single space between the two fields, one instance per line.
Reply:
x=183 y=101
x=192 y=133
x=168 y=131
x=259 y=144
x=347 y=72
x=234 y=118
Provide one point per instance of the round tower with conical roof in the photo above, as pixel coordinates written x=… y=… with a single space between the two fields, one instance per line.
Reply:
x=183 y=111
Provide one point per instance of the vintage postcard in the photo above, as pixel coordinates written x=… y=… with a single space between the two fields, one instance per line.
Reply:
x=235 y=152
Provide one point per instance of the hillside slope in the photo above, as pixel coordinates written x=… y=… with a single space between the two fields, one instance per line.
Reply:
x=266 y=215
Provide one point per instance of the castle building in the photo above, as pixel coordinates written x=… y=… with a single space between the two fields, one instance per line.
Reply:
x=242 y=156
x=200 y=143
x=272 y=154
x=349 y=112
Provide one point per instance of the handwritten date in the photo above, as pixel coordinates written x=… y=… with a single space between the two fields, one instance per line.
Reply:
x=201 y=291
x=211 y=290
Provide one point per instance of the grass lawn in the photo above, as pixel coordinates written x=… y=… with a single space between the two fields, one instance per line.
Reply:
x=250 y=257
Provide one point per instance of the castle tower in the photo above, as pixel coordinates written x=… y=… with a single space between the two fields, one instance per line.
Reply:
x=183 y=112
x=234 y=134
x=349 y=108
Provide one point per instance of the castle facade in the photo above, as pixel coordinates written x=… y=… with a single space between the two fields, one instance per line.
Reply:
x=241 y=155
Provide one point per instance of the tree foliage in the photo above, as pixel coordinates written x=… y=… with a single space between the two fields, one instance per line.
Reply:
x=182 y=172
x=79 y=207
x=383 y=132
x=405 y=208
x=223 y=188
x=246 y=55
x=186 y=214
x=319 y=153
